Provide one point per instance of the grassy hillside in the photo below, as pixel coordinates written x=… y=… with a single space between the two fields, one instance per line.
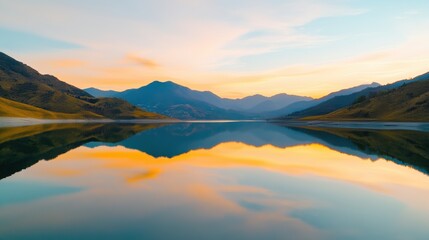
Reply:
x=20 y=83
x=343 y=101
x=9 y=108
x=409 y=102
x=120 y=109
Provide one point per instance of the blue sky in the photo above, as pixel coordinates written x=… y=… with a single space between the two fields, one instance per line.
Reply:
x=27 y=42
x=234 y=48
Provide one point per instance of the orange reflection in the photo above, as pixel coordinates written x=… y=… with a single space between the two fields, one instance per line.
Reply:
x=313 y=159
x=179 y=175
x=118 y=174
x=153 y=173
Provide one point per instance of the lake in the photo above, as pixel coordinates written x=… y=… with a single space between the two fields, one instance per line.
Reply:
x=231 y=180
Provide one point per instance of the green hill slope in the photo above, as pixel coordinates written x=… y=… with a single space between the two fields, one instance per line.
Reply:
x=21 y=83
x=9 y=108
x=409 y=102
x=348 y=100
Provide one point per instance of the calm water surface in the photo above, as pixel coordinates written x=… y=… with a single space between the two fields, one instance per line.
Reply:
x=212 y=181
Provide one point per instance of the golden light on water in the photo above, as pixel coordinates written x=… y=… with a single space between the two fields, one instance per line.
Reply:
x=313 y=160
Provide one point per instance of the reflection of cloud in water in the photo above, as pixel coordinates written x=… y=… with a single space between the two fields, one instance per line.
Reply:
x=25 y=146
x=21 y=192
x=232 y=188
x=153 y=173
x=311 y=159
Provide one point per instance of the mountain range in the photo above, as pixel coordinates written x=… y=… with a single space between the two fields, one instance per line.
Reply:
x=181 y=102
x=174 y=100
x=24 y=92
x=177 y=101
x=409 y=102
x=404 y=100
x=301 y=105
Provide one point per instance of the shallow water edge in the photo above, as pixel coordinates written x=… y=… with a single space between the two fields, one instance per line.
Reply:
x=418 y=126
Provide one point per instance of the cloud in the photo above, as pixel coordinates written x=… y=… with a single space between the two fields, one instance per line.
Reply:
x=145 y=62
x=192 y=35
x=231 y=48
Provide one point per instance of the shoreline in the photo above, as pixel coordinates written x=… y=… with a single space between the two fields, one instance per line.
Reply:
x=18 y=121
x=375 y=125
x=419 y=126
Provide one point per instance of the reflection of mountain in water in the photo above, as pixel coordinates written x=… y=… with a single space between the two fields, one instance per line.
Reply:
x=25 y=146
x=404 y=147
x=410 y=148
x=176 y=139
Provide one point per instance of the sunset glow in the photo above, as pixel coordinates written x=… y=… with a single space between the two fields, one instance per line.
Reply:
x=232 y=48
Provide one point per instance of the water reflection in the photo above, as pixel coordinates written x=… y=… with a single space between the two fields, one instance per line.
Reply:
x=24 y=146
x=211 y=181
x=21 y=147
x=410 y=148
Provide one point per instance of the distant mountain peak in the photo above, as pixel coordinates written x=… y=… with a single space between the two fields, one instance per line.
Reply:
x=348 y=91
x=170 y=98
x=157 y=82
x=254 y=96
x=160 y=84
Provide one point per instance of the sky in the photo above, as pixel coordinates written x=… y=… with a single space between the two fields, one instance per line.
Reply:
x=232 y=48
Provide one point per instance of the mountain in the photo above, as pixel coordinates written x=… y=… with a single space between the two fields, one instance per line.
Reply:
x=100 y=93
x=277 y=102
x=349 y=91
x=176 y=101
x=308 y=103
x=258 y=103
x=339 y=102
x=20 y=83
x=409 y=102
x=181 y=102
x=241 y=104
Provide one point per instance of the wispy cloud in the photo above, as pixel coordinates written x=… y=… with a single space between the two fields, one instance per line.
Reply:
x=307 y=47
x=145 y=62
